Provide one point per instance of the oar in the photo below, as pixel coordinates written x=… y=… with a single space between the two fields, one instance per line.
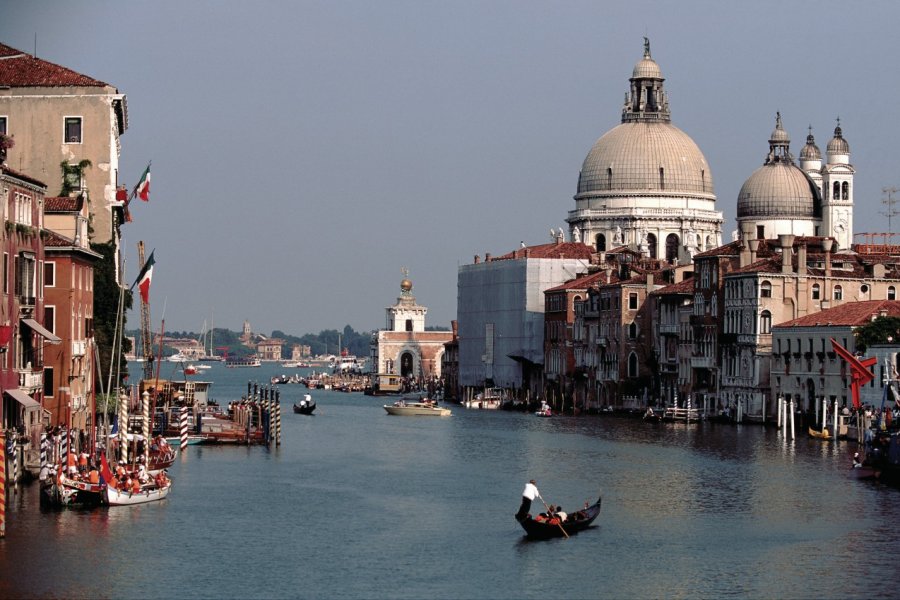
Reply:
x=561 y=528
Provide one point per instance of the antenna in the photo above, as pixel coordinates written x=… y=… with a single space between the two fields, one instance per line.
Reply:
x=889 y=202
x=35 y=44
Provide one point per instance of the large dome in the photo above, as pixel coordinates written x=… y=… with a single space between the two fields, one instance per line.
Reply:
x=779 y=190
x=640 y=157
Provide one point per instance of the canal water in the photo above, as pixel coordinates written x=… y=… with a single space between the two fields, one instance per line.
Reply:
x=359 y=504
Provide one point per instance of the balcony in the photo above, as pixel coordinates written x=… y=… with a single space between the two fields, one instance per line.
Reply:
x=702 y=362
x=79 y=348
x=29 y=379
x=668 y=328
x=26 y=300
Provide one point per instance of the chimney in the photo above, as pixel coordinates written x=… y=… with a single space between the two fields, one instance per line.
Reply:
x=608 y=274
x=527 y=252
x=827 y=244
x=477 y=259
x=801 y=259
x=649 y=282
x=487 y=257
x=754 y=247
x=786 y=241
x=744 y=257
x=454 y=326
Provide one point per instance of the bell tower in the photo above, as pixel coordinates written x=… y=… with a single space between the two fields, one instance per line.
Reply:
x=837 y=190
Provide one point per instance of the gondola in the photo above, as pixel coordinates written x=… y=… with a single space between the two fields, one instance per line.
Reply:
x=544 y=530
x=305 y=409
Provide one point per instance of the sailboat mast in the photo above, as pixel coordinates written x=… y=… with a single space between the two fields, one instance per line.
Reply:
x=146 y=341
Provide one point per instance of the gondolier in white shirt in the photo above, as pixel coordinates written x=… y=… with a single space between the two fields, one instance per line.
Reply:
x=528 y=495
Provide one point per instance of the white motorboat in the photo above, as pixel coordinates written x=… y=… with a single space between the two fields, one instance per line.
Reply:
x=416 y=408
x=489 y=399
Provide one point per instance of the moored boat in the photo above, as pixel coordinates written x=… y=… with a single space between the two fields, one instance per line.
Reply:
x=416 y=408
x=68 y=492
x=545 y=529
x=489 y=399
x=118 y=493
x=823 y=434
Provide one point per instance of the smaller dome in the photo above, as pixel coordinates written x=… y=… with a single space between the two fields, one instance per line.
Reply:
x=838 y=145
x=646 y=68
x=810 y=151
x=778 y=190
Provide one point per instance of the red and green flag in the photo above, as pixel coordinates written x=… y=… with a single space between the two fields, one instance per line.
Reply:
x=142 y=190
x=143 y=279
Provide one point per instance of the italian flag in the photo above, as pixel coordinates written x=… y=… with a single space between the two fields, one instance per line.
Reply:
x=143 y=279
x=143 y=187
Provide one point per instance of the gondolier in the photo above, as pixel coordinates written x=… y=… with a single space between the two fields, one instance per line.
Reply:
x=528 y=495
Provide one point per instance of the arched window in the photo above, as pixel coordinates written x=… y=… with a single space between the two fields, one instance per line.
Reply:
x=632 y=330
x=838 y=292
x=651 y=245
x=662 y=178
x=765 y=289
x=672 y=243
x=765 y=322
x=836 y=191
x=632 y=365
x=609 y=178
x=816 y=291
x=892 y=293
x=845 y=191
x=600 y=242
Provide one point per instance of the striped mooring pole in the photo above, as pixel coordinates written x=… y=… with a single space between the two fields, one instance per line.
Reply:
x=45 y=443
x=2 y=483
x=145 y=425
x=123 y=428
x=183 y=426
x=14 y=448
x=278 y=418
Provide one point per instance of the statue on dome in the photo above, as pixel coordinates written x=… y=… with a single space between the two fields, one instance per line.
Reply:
x=646 y=46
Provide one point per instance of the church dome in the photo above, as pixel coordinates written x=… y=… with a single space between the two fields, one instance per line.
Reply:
x=838 y=145
x=778 y=190
x=810 y=151
x=646 y=68
x=645 y=156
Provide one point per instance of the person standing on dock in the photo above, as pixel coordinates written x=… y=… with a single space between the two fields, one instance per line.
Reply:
x=528 y=495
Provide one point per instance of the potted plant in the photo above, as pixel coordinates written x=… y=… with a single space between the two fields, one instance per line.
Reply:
x=6 y=142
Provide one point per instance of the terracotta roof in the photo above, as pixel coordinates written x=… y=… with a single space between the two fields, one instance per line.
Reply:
x=4 y=170
x=579 y=283
x=18 y=69
x=682 y=287
x=552 y=250
x=54 y=240
x=63 y=204
x=851 y=314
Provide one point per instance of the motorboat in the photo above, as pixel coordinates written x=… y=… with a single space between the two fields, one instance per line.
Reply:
x=416 y=408
x=489 y=399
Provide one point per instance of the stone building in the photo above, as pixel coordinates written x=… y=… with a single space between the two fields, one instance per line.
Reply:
x=645 y=183
x=403 y=347
x=59 y=116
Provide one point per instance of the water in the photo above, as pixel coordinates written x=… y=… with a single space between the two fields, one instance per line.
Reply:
x=359 y=504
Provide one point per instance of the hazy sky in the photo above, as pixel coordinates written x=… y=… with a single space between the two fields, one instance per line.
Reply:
x=304 y=152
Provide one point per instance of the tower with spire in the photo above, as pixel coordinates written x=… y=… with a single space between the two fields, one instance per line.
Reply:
x=837 y=190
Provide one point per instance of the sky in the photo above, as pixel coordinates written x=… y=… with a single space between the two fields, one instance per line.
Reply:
x=304 y=153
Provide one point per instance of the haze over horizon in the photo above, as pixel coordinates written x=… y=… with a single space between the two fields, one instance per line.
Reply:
x=303 y=153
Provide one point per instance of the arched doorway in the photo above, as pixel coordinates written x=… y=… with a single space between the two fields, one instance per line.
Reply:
x=600 y=242
x=406 y=364
x=651 y=245
x=671 y=247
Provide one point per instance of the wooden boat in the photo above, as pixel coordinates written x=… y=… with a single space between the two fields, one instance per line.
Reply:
x=157 y=488
x=192 y=440
x=416 y=408
x=823 y=434
x=306 y=406
x=67 y=492
x=545 y=530
x=149 y=492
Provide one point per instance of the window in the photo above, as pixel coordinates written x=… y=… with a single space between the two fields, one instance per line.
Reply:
x=836 y=191
x=22 y=207
x=72 y=130
x=632 y=330
x=632 y=301
x=765 y=289
x=601 y=242
x=25 y=277
x=632 y=365
x=892 y=293
x=765 y=322
x=49 y=274
x=50 y=318
x=838 y=292
x=760 y=232
x=816 y=291
x=48 y=381
x=3 y=125
x=409 y=325
x=845 y=191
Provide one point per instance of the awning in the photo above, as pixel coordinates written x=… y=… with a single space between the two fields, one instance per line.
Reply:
x=22 y=398
x=41 y=331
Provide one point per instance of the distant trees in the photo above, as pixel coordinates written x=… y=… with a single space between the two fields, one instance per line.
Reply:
x=883 y=330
